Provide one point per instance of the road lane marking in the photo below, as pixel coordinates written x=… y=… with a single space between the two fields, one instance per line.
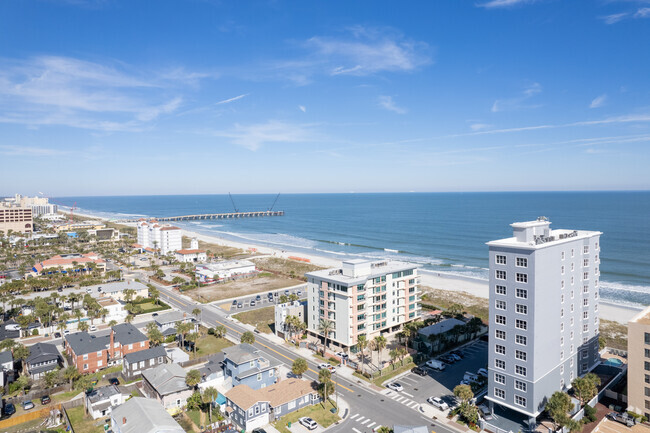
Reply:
x=354 y=416
x=361 y=419
x=356 y=430
x=406 y=393
x=365 y=422
x=371 y=424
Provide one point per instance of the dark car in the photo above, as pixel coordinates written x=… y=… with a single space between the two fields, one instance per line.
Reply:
x=259 y=430
x=60 y=289
x=419 y=371
x=57 y=335
x=234 y=302
x=114 y=381
x=457 y=353
x=9 y=409
x=45 y=399
x=258 y=298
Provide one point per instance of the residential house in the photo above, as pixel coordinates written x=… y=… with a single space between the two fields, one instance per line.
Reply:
x=115 y=309
x=101 y=401
x=126 y=338
x=244 y=364
x=136 y=362
x=212 y=372
x=88 y=353
x=249 y=408
x=167 y=321
x=166 y=384
x=6 y=367
x=191 y=255
x=282 y=311
x=225 y=269
x=142 y=415
x=116 y=290
x=43 y=357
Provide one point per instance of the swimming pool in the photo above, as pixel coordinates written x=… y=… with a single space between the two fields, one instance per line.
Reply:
x=614 y=362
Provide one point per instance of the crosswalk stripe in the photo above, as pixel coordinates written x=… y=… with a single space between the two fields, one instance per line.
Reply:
x=371 y=424
x=395 y=396
x=356 y=430
x=400 y=399
x=365 y=422
x=361 y=419
x=354 y=416
x=411 y=405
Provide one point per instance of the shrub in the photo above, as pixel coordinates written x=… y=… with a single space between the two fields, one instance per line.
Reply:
x=210 y=331
x=333 y=360
x=590 y=414
x=34 y=331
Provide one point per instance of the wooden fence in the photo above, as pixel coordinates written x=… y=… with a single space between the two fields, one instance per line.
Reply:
x=15 y=420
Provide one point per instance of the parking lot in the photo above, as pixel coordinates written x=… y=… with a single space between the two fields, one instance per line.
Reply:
x=441 y=383
x=263 y=300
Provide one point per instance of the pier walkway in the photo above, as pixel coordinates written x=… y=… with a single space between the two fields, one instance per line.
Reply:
x=211 y=216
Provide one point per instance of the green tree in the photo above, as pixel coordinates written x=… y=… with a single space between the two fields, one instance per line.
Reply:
x=193 y=378
x=22 y=382
x=83 y=382
x=393 y=354
x=248 y=337
x=71 y=374
x=195 y=400
x=192 y=337
x=380 y=344
x=51 y=378
x=83 y=326
x=182 y=328
x=20 y=352
x=112 y=323
x=325 y=383
x=463 y=393
x=154 y=294
x=154 y=334
x=557 y=407
x=299 y=367
x=325 y=327
x=586 y=387
x=210 y=394
x=196 y=312
x=128 y=295
x=362 y=343
x=220 y=331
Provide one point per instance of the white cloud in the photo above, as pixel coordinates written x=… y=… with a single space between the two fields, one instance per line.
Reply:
x=302 y=108
x=642 y=13
x=14 y=150
x=598 y=102
x=254 y=136
x=387 y=103
x=493 y=4
x=517 y=102
x=228 y=101
x=479 y=126
x=614 y=18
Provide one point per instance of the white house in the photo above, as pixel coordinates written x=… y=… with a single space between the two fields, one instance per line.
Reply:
x=225 y=269
x=116 y=310
x=191 y=256
x=101 y=401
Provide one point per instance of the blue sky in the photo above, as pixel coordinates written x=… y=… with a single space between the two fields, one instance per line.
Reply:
x=107 y=97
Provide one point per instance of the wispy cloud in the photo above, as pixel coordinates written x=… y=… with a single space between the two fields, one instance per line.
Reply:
x=51 y=90
x=302 y=108
x=387 y=103
x=518 y=102
x=14 y=150
x=614 y=18
x=640 y=13
x=479 y=126
x=254 y=136
x=228 y=101
x=494 y=4
x=598 y=101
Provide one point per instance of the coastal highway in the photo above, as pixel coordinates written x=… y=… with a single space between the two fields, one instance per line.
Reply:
x=368 y=409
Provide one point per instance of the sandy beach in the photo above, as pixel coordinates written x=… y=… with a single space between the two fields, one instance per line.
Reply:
x=454 y=283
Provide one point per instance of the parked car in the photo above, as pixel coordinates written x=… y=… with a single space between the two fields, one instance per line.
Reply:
x=342 y=355
x=309 y=423
x=435 y=364
x=324 y=365
x=57 y=335
x=9 y=409
x=485 y=413
x=437 y=403
x=482 y=372
x=258 y=298
x=447 y=358
x=259 y=430
x=45 y=399
x=454 y=356
x=66 y=332
x=622 y=418
x=114 y=381
x=457 y=353
x=154 y=315
x=12 y=327
x=252 y=303
x=419 y=371
x=234 y=302
x=27 y=405
x=60 y=289
x=470 y=376
x=240 y=305
x=299 y=293
x=395 y=386
x=286 y=292
x=465 y=382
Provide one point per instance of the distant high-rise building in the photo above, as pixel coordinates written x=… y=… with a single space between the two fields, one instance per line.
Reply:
x=164 y=238
x=39 y=205
x=543 y=313
x=638 y=363
x=16 y=218
x=363 y=297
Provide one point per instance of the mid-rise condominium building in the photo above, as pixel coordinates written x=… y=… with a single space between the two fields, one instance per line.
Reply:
x=163 y=238
x=16 y=218
x=39 y=205
x=638 y=363
x=362 y=297
x=543 y=313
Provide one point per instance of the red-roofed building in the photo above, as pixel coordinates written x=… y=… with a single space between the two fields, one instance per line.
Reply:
x=69 y=263
x=191 y=256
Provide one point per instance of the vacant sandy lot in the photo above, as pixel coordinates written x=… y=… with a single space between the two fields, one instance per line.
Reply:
x=249 y=286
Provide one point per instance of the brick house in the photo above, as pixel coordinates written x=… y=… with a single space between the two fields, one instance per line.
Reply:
x=88 y=353
x=124 y=339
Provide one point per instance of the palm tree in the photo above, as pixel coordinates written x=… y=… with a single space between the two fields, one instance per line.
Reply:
x=193 y=378
x=393 y=354
x=83 y=326
x=362 y=343
x=325 y=327
x=182 y=329
x=209 y=395
x=248 y=337
x=71 y=373
x=128 y=295
x=325 y=379
x=196 y=312
x=220 y=331
x=154 y=294
x=112 y=323
x=192 y=337
x=380 y=344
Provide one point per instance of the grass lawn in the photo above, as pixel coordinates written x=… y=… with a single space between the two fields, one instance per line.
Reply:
x=185 y=422
x=195 y=416
x=64 y=396
x=84 y=423
x=28 y=426
x=150 y=307
x=209 y=344
x=327 y=360
x=318 y=412
x=260 y=318
x=389 y=373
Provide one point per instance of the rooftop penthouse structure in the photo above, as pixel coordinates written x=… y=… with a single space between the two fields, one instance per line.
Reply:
x=543 y=313
x=362 y=297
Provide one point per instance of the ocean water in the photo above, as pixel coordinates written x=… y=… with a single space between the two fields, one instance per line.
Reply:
x=443 y=232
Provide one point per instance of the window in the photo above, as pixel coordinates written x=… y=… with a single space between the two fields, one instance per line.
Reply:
x=573 y=253
x=85 y=366
x=500 y=275
x=585 y=275
x=561 y=327
x=519 y=385
x=500 y=305
x=585 y=249
x=521 y=324
x=522 y=293
x=501 y=320
x=647 y=337
x=259 y=377
x=585 y=328
x=501 y=260
x=257 y=410
x=562 y=284
x=500 y=349
x=499 y=393
x=585 y=263
x=130 y=346
x=647 y=378
x=85 y=357
x=585 y=288
x=520 y=339
x=562 y=357
x=521 y=309
x=500 y=364
x=647 y=353
x=585 y=314
x=522 y=262
x=561 y=341
x=562 y=270
x=562 y=255
x=572 y=308
x=646 y=366
x=520 y=354
x=142 y=344
x=271 y=373
x=520 y=370
x=562 y=298
x=500 y=290
x=499 y=334
x=561 y=369
x=572 y=338
x=500 y=378
x=522 y=278
x=520 y=401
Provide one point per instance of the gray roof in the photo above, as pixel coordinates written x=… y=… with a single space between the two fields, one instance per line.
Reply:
x=143 y=415
x=143 y=355
x=117 y=286
x=103 y=393
x=440 y=327
x=83 y=343
x=166 y=378
x=6 y=357
x=171 y=317
x=169 y=331
x=213 y=365
x=126 y=333
x=41 y=352
x=241 y=353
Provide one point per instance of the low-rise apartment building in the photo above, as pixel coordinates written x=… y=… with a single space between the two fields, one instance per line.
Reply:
x=116 y=290
x=362 y=298
x=638 y=363
x=244 y=364
x=88 y=353
x=282 y=311
x=136 y=362
x=73 y=262
x=225 y=269
x=125 y=339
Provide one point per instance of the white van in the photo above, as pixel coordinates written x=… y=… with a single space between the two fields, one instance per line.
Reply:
x=435 y=364
x=470 y=376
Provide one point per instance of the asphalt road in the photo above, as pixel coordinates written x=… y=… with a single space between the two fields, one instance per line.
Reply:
x=368 y=409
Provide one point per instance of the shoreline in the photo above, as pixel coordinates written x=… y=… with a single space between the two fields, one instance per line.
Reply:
x=436 y=280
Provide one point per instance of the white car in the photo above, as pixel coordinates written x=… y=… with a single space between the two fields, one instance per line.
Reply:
x=309 y=423
x=435 y=364
x=92 y=328
x=482 y=372
x=325 y=366
x=341 y=355
x=66 y=332
x=438 y=403
x=395 y=386
x=12 y=327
